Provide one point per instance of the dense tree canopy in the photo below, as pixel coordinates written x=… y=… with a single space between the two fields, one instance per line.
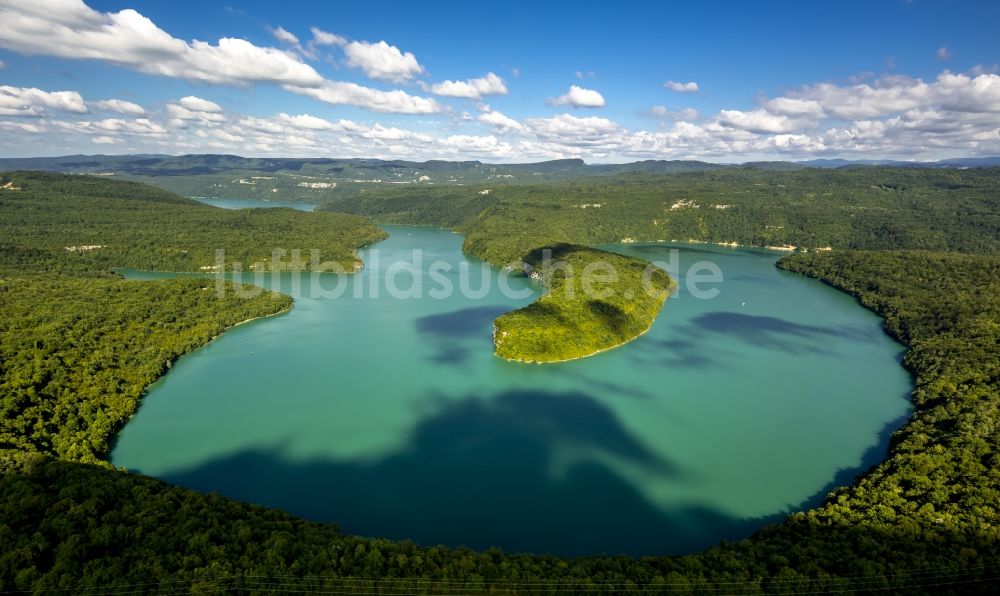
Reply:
x=594 y=301
x=86 y=225
x=864 y=208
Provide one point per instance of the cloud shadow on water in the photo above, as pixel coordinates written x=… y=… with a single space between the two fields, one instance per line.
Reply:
x=445 y=330
x=480 y=473
x=460 y=323
x=680 y=352
x=776 y=333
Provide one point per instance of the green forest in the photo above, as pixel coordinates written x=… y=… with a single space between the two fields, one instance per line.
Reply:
x=594 y=300
x=78 y=346
x=83 y=225
x=860 y=208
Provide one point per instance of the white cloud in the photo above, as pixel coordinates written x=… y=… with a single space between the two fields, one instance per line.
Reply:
x=571 y=130
x=223 y=135
x=195 y=109
x=758 y=121
x=578 y=97
x=197 y=104
x=27 y=127
x=3 y=65
x=285 y=36
x=475 y=146
x=689 y=87
x=791 y=106
x=31 y=101
x=70 y=29
x=682 y=114
x=308 y=122
x=500 y=122
x=893 y=94
x=392 y=133
x=382 y=61
x=339 y=92
x=943 y=53
x=490 y=84
x=119 y=105
x=139 y=126
x=325 y=38
x=890 y=116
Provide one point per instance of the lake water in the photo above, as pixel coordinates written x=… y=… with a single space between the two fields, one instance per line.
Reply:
x=253 y=203
x=392 y=416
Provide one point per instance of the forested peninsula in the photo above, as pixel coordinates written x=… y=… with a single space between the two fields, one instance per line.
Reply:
x=594 y=301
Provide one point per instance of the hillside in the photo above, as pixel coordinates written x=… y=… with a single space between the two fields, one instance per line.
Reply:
x=319 y=180
x=864 y=209
x=83 y=224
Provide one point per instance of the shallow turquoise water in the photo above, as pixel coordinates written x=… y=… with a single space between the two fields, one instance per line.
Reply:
x=392 y=416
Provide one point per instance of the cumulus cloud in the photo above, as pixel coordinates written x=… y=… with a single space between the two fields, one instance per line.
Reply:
x=392 y=133
x=325 y=38
x=475 y=146
x=759 y=121
x=28 y=127
x=197 y=104
x=578 y=97
x=397 y=101
x=887 y=116
x=194 y=109
x=112 y=130
x=382 y=61
x=791 y=106
x=943 y=53
x=71 y=29
x=689 y=87
x=31 y=101
x=308 y=122
x=500 y=122
x=892 y=94
x=139 y=126
x=490 y=84
x=682 y=114
x=285 y=36
x=119 y=105
x=572 y=130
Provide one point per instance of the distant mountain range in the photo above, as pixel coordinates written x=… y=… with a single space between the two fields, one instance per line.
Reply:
x=284 y=179
x=187 y=165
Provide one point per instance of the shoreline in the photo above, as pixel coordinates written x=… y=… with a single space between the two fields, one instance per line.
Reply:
x=734 y=244
x=251 y=320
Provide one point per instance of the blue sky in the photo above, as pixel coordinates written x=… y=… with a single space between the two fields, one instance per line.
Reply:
x=530 y=81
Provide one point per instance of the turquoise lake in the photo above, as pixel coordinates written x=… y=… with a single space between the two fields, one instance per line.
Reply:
x=393 y=418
